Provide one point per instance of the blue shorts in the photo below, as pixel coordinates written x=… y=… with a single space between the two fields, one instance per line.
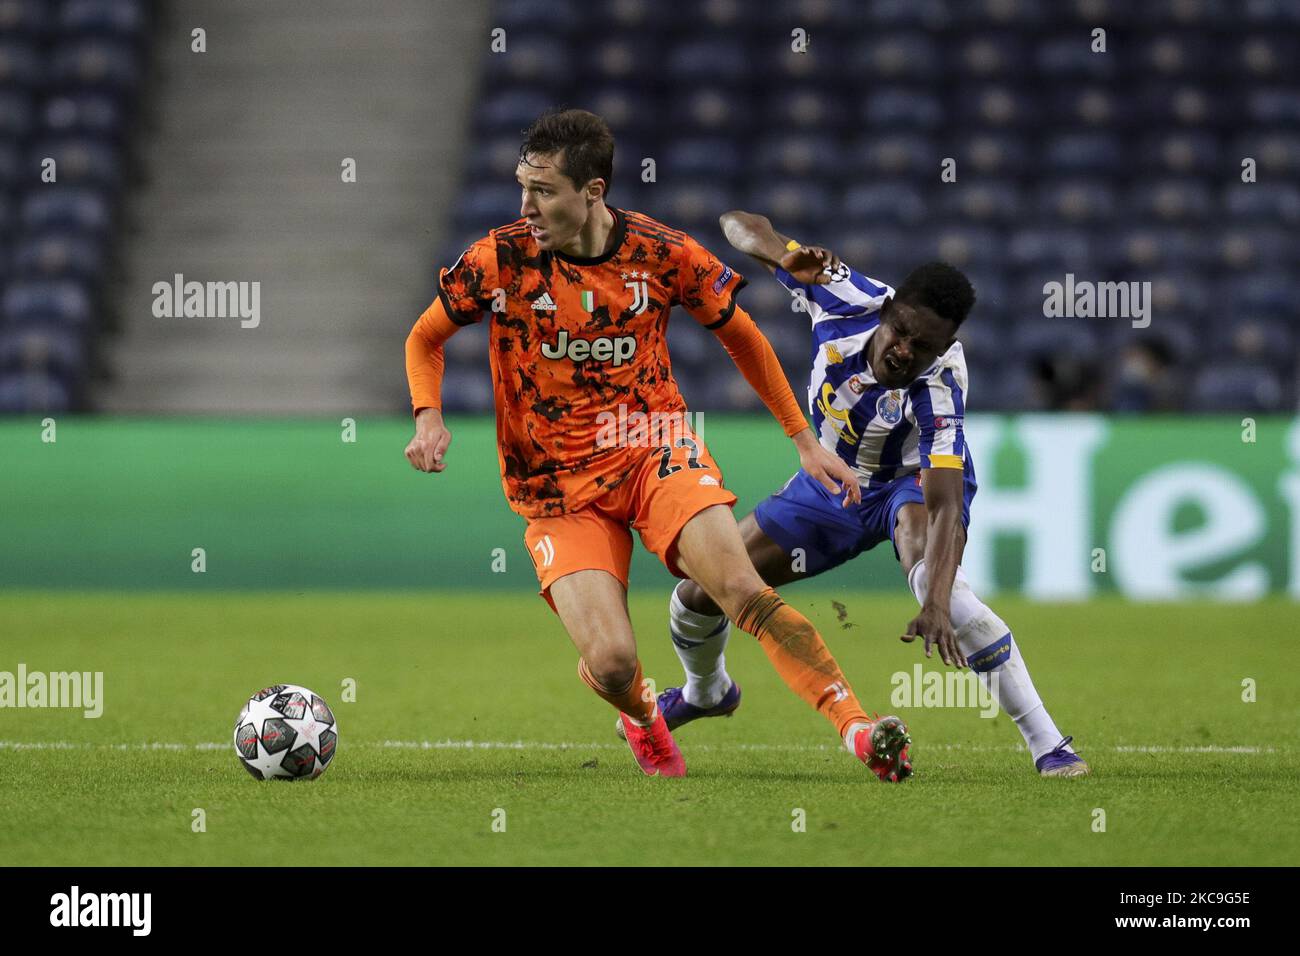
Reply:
x=805 y=515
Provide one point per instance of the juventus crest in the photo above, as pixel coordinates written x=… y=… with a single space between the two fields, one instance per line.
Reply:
x=640 y=291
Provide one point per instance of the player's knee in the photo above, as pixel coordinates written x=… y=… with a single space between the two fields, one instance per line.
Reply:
x=694 y=598
x=612 y=668
x=735 y=590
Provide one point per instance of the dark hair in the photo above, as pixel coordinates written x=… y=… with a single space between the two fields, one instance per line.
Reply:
x=938 y=286
x=584 y=137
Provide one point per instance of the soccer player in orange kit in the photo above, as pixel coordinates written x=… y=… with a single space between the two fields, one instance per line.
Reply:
x=579 y=295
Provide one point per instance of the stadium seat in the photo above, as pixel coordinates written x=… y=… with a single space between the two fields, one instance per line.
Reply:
x=711 y=109
x=17 y=116
x=37 y=348
x=80 y=159
x=532 y=59
x=885 y=202
x=618 y=59
x=1257 y=248
x=1143 y=248
x=801 y=201
x=525 y=16
x=1276 y=106
x=701 y=156
x=1184 y=104
x=1250 y=203
x=1182 y=152
x=106 y=63
x=978 y=202
x=39 y=300
x=1238 y=386
x=33 y=392
x=710 y=61
x=900 y=108
x=510 y=110
x=991 y=56
x=1266 y=56
x=629 y=111
x=796 y=155
x=897 y=57
x=1077 y=201
x=992 y=153
x=20 y=62
x=894 y=154
x=25 y=18
x=1086 y=153
x=122 y=19
x=1050 y=251
x=58 y=255
x=487 y=205
x=1170 y=200
x=1174 y=55
x=806 y=110
x=82 y=112
x=1071 y=57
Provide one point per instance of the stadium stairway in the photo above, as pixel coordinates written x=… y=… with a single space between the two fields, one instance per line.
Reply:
x=284 y=93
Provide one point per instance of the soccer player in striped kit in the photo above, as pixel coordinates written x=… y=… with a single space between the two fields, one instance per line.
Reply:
x=887 y=396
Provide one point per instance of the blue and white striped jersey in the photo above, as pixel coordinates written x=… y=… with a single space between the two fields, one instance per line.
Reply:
x=881 y=433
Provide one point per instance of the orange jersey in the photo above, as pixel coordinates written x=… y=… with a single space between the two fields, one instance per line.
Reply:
x=572 y=338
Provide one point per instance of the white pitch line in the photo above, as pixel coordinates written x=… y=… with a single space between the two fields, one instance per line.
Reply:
x=570 y=745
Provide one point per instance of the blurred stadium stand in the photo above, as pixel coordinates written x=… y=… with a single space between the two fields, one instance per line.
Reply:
x=70 y=75
x=223 y=166
x=1123 y=166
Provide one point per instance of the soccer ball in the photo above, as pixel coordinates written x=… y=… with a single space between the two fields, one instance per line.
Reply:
x=285 y=732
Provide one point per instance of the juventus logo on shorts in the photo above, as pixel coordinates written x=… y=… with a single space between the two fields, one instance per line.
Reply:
x=640 y=295
x=546 y=549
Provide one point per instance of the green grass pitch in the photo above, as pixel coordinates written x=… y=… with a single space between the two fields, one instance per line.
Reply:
x=1185 y=771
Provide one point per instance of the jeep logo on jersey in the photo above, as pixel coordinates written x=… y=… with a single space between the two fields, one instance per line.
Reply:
x=618 y=349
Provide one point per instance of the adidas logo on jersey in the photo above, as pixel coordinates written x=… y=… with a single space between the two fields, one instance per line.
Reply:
x=708 y=480
x=545 y=303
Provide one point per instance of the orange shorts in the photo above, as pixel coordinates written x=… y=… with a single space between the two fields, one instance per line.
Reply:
x=657 y=499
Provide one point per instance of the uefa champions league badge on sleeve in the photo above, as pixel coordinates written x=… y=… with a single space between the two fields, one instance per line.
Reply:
x=890 y=407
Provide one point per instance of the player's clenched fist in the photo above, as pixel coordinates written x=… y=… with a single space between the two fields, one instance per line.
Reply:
x=813 y=264
x=429 y=446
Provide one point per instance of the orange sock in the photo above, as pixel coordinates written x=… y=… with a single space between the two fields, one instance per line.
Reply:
x=801 y=657
x=633 y=700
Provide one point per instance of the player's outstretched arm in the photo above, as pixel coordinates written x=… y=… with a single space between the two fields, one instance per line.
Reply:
x=942 y=488
x=754 y=235
x=424 y=367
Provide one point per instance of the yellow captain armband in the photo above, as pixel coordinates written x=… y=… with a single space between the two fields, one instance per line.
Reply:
x=945 y=461
x=792 y=245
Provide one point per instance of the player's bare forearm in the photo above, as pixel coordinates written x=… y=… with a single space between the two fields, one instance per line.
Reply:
x=753 y=235
x=942 y=488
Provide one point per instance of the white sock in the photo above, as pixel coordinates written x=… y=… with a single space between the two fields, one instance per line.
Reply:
x=699 y=640
x=989 y=647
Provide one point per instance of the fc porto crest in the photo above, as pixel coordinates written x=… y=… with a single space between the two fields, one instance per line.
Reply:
x=890 y=407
